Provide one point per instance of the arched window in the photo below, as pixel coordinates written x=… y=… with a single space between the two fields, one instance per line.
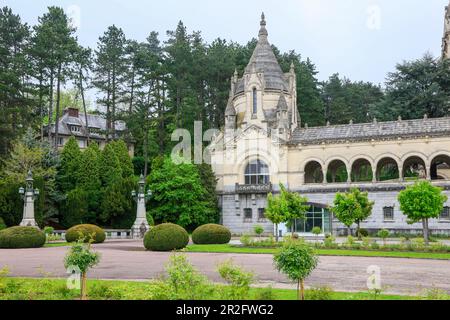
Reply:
x=257 y=173
x=255 y=101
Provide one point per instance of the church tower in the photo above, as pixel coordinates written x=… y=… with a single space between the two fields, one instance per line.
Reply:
x=264 y=96
x=446 y=37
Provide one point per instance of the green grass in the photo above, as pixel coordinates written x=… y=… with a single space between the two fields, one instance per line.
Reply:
x=322 y=252
x=57 y=244
x=55 y=289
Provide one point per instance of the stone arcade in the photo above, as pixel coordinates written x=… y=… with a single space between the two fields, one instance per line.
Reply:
x=265 y=144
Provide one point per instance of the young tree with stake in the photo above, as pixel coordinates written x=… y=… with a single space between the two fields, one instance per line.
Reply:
x=296 y=260
x=82 y=257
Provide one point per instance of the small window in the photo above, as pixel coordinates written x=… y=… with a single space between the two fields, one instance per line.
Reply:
x=445 y=215
x=60 y=141
x=255 y=101
x=248 y=215
x=74 y=128
x=388 y=213
x=262 y=215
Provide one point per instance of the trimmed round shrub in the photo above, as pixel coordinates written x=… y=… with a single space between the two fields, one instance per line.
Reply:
x=166 y=237
x=21 y=237
x=85 y=231
x=211 y=234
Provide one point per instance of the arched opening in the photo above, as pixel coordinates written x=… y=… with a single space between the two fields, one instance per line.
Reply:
x=440 y=168
x=337 y=172
x=313 y=173
x=414 y=168
x=362 y=171
x=387 y=170
x=257 y=173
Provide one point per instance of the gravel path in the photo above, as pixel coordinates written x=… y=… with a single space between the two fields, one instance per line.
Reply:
x=127 y=260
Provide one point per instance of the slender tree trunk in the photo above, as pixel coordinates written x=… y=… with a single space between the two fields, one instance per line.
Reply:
x=145 y=149
x=113 y=120
x=50 y=109
x=41 y=107
x=359 y=228
x=298 y=290
x=88 y=135
x=108 y=109
x=58 y=103
x=130 y=108
x=83 y=286
x=293 y=229
x=276 y=232
x=425 y=231
x=349 y=231
x=302 y=289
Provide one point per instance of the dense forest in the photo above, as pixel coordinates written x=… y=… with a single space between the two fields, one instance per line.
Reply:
x=156 y=86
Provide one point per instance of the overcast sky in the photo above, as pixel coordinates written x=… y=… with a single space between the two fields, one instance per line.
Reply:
x=360 y=39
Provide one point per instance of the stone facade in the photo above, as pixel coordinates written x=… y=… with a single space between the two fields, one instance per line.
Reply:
x=446 y=37
x=265 y=144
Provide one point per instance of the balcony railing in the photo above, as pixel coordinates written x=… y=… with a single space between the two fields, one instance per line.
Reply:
x=253 y=188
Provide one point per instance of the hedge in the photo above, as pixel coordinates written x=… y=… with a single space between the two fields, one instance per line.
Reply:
x=211 y=234
x=85 y=231
x=166 y=237
x=21 y=237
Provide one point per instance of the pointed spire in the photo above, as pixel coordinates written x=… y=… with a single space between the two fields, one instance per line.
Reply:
x=230 y=110
x=263 y=31
x=292 y=67
x=282 y=104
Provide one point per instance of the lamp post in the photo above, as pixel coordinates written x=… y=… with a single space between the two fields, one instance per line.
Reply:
x=140 y=226
x=29 y=195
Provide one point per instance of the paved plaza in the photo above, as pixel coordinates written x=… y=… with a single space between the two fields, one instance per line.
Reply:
x=127 y=260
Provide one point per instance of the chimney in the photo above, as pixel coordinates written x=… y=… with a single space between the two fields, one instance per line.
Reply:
x=72 y=112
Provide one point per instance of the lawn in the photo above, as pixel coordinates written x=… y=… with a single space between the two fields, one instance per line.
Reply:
x=226 y=248
x=55 y=289
x=57 y=244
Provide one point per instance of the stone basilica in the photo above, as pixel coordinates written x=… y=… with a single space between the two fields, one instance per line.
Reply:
x=264 y=143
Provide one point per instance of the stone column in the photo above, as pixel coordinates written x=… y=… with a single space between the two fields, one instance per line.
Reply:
x=140 y=226
x=325 y=173
x=349 y=175
x=400 y=173
x=428 y=169
x=374 y=174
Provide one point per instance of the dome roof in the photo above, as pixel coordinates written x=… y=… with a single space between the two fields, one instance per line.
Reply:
x=264 y=60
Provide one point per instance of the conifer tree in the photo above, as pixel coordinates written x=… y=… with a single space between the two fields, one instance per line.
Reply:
x=68 y=172
x=126 y=164
x=110 y=168
x=16 y=107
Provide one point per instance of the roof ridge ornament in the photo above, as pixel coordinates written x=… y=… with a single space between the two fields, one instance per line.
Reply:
x=263 y=31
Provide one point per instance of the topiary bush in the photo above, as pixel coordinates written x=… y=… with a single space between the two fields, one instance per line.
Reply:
x=21 y=237
x=211 y=234
x=166 y=237
x=86 y=230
